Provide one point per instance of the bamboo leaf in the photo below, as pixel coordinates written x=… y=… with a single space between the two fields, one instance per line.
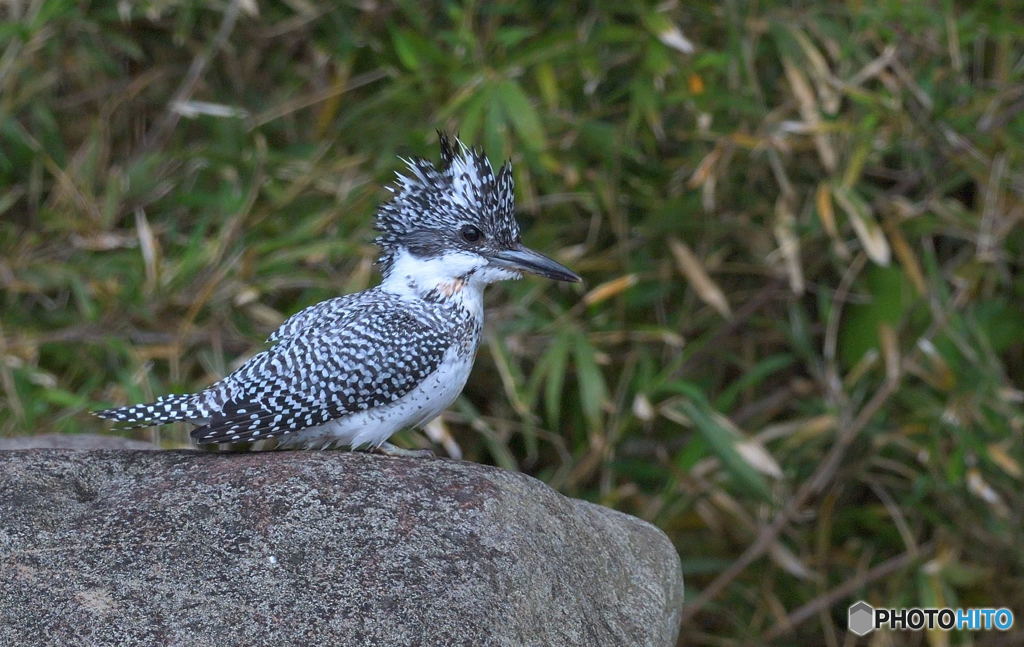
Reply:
x=723 y=442
x=593 y=393
x=556 y=359
x=522 y=115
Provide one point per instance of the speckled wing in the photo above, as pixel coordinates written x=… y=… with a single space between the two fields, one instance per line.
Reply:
x=322 y=372
x=320 y=315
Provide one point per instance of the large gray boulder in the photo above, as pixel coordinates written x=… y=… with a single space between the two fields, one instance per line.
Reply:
x=317 y=548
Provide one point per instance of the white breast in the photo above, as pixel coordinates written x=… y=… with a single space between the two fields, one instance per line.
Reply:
x=371 y=428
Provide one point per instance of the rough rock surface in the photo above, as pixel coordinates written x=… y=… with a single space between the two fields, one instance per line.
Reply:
x=317 y=548
x=73 y=441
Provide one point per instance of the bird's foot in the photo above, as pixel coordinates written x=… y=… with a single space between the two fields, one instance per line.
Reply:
x=397 y=452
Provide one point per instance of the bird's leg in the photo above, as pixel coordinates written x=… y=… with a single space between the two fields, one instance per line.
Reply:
x=397 y=452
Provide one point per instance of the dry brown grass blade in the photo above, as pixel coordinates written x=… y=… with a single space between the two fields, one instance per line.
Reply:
x=874 y=67
x=694 y=272
x=999 y=455
x=609 y=289
x=890 y=352
x=705 y=168
x=981 y=488
x=789 y=244
x=13 y=400
x=827 y=215
x=438 y=432
x=864 y=225
x=150 y=248
x=988 y=243
x=809 y=112
x=758 y=457
x=824 y=81
x=904 y=254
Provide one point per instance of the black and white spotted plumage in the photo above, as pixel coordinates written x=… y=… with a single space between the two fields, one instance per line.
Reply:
x=355 y=354
x=354 y=369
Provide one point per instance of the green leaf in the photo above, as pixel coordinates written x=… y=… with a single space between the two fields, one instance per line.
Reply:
x=593 y=393
x=473 y=114
x=494 y=128
x=722 y=441
x=556 y=358
x=751 y=378
x=548 y=84
x=405 y=49
x=889 y=296
x=522 y=115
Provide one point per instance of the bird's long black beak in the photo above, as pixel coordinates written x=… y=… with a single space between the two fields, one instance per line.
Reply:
x=524 y=259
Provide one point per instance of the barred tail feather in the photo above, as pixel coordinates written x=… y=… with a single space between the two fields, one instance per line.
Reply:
x=167 y=408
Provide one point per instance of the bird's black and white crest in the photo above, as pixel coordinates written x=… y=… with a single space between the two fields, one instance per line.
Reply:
x=431 y=203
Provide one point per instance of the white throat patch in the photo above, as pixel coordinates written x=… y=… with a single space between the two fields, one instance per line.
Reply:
x=456 y=275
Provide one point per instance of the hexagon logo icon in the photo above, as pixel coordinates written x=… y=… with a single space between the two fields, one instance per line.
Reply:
x=861 y=619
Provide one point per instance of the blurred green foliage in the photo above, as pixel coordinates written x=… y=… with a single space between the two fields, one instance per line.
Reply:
x=801 y=334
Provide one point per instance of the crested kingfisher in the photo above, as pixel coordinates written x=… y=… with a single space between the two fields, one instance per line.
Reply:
x=355 y=369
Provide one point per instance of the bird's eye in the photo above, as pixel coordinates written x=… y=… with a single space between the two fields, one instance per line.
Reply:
x=471 y=234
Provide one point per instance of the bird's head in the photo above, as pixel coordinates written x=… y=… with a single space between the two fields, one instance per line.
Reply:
x=456 y=222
